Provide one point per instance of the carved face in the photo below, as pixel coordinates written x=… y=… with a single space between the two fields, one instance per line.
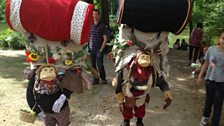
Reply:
x=48 y=73
x=144 y=60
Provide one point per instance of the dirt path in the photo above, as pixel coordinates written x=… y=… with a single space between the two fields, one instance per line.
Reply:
x=98 y=107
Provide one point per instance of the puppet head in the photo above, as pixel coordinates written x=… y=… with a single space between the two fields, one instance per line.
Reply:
x=46 y=72
x=143 y=59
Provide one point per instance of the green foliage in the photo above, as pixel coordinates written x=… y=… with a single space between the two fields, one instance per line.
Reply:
x=97 y=4
x=2 y=10
x=113 y=6
x=12 y=40
x=210 y=13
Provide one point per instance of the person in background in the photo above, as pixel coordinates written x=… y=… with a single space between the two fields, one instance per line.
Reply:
x=199 y=62
x=176 y=45
x=201 y=51
x=183 y=45
x=97 y=43
x=110 y=33
x=195 y=42
x=214 y=64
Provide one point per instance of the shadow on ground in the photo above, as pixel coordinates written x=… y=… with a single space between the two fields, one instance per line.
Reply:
x=12 y=67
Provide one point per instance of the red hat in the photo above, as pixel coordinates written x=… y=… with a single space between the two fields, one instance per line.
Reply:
x=53 y=20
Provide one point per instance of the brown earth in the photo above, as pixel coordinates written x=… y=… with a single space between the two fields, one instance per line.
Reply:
x=99 y=107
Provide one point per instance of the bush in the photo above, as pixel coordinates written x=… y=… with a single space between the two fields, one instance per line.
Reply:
x=2 y=10
x=11 y=40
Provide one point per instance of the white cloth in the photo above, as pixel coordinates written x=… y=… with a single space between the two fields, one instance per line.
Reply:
x=59 y=103
x=41 y=116
x=151 y=41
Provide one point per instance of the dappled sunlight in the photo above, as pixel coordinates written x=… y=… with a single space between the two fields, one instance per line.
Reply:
x=181 y=88
x=202 y=91
x=12 y=53
x=185 y=78
x=12 y=65
x=157 y=111
x=181 y=79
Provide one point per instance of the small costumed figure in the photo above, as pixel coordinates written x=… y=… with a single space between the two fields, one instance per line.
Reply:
x=133 y=84
x=48 y=99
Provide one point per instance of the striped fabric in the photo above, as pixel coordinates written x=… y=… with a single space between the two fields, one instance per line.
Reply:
x=96 y=36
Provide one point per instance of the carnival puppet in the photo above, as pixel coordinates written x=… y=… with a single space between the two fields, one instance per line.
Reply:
x=140 y=52
x=48 y=99
x=133 y=85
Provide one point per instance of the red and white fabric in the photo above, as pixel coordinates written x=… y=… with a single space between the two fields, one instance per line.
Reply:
x=53 y=20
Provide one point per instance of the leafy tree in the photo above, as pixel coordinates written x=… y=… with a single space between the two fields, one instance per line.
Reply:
x=105 y=12
x=2 y=10
x=12 y=40
x=210 y=13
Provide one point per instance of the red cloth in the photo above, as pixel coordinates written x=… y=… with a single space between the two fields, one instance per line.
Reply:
x=48 y=86
x=88 y=25
x=48 y=18
x=51 y=19
x=139 y=73
x=139 y=111
x=7 y=12
x=196 y=37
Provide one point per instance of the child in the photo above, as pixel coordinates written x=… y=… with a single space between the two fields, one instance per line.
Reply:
x=199 y=62
x=214 y=61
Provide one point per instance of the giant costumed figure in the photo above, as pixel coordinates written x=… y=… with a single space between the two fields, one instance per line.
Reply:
x=140 y=52
x=53 y=28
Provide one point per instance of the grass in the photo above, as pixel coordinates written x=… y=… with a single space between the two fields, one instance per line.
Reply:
x=11 y=67
x=3 y=26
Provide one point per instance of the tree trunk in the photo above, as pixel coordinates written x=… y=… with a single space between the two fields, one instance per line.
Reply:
x=190 y=27
x=190 y=22
x=105 y=12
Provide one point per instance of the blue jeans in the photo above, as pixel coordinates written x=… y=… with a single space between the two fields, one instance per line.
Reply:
x=97 y=62
x=214 y=98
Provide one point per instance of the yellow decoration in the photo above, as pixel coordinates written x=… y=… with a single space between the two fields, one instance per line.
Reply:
x=34 y=56
x=68 y=62
x=33 y=113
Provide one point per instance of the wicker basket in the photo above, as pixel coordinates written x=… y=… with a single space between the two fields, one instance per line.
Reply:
x=27 y=116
